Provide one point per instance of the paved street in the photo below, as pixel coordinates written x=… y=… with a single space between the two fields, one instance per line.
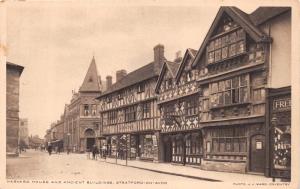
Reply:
x=40 y=166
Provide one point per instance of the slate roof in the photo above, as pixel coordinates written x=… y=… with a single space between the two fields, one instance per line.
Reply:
x=136 y=76
x=263 y=14
x=91 y=81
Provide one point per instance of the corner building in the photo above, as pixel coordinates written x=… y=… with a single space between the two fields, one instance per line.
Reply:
x=129 y=115
x=81 y=115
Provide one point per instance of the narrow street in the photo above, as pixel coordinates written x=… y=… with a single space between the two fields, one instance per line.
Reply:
x=39 y=165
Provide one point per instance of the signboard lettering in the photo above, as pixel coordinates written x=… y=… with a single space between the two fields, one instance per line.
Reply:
x=282 y=104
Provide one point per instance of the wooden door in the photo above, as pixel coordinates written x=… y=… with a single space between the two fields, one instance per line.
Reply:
x=257 y=154
x=168 y=151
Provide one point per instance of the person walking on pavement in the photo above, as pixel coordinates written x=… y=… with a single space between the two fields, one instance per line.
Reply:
x=49 y=148
x=95 y=152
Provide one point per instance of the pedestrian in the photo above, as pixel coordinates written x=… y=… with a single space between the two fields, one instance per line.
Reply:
x=49 y=148
x=95 y=152
x=88 y=152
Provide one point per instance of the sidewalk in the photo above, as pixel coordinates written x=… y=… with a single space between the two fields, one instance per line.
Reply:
x=190 y=172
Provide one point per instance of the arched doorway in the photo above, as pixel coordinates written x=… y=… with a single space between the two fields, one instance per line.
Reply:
x=89 y=135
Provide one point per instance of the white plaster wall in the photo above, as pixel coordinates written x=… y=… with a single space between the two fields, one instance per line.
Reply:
x=280 y=58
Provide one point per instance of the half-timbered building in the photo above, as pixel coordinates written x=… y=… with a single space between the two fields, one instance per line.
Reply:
x=237 y=63
x=179 y=105
x=129 y=113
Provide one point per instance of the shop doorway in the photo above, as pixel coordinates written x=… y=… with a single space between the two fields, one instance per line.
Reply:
x=168 y=150
x=257 y=153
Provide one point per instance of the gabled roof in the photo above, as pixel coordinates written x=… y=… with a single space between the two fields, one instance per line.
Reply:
x=189 y=52
x=136 y=76
x=173 y=69
x=91 y=80
x=263 y=14
x=240 y=18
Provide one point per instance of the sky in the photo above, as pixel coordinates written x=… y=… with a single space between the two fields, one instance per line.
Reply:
x=56 y=41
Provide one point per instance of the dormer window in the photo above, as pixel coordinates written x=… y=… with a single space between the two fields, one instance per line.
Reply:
x=189 y=76
x=86 y=110
x=90 y=79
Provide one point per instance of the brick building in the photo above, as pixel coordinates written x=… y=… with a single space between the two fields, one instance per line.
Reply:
x=81 y=115
x=13 y=73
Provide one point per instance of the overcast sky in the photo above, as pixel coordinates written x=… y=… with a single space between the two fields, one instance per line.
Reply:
x=55 y=43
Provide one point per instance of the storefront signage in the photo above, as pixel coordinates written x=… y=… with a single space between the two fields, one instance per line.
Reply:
x=282 y=104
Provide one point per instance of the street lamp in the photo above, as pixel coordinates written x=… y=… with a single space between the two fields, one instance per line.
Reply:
x=68 y=146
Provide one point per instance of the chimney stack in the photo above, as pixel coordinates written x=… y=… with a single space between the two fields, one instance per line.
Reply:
x=178 y=57
x=108 y=81
x=120 y=74
x=159 y=57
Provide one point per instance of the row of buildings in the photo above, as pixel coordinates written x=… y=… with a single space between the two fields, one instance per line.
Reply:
x=223 y=107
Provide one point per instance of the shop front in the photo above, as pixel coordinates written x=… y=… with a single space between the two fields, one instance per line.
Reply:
x=280 y=132
x=183 y=148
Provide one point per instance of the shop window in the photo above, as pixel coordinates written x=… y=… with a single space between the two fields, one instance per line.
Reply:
x=229 y=140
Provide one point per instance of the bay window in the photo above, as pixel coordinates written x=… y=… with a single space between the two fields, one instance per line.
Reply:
x=231 y=91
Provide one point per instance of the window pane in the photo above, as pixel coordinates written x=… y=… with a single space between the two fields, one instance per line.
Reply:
x=232 y=50
x=211 y=57
x=227 y=84
x=218 y=55
x=215 y=145
x=233 y=37
x=235 y=95
x=224 y=52
x=235 y=82
x=227 y=97
x=221 y=98
x=241 y=47
x=243 y=147
x=214 y=88
x=244 y=94
x=228 y=145
x=222 y=145
x=236 y=145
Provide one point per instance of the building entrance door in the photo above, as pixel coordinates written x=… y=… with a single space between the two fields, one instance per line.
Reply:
x=90 y=143
x=168 y=150
x=257 y=153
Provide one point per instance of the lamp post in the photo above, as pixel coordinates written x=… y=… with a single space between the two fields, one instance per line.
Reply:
x=68 y=146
